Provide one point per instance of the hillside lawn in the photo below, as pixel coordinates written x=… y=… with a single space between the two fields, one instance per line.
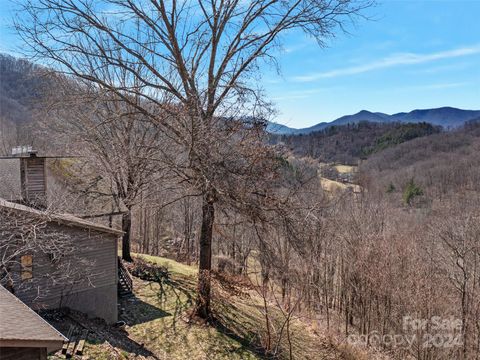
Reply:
x=159 y=325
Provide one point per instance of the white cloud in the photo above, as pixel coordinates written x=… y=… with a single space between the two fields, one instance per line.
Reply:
x=391 y=61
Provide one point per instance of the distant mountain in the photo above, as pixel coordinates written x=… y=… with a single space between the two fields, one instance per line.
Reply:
x=280 y=129
x=447 y=117
x=444 y=116
x=363 y=115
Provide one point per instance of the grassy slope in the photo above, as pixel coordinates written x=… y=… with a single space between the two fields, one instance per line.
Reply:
x=345 y=169
x=333 y=186
x=157 y=319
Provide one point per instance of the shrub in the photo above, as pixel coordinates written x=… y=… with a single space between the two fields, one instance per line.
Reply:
x=147 y=271
x=411 y=191
x=391 y=188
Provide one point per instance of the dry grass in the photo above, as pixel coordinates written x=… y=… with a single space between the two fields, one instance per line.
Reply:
x=332 y=185
x=345 y=169
x=172 y=266
x=159 y=326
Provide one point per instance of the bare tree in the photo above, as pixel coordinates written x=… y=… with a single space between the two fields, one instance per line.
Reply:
x=118 y=146
x=28 y=234
x=456 y=253
x=196 y=56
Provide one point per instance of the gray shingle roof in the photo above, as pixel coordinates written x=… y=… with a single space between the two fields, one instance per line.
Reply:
x=20 y=323
x=66 y=219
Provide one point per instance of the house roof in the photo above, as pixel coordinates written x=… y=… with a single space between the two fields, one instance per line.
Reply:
x=20 y=326
x=65 y=219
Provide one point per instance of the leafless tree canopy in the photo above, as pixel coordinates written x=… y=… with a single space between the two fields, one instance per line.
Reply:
x=201 y=54
x=195 y=60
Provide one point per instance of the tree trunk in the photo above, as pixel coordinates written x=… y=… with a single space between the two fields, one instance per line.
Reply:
x=126 y=227
x=205 y=263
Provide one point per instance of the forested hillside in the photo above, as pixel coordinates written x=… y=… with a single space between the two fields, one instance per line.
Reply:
x=443 y=164
x=22 y=86
x=349 y=143
x=18 y=89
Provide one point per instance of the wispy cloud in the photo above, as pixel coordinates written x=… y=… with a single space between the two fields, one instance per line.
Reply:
x=444 y=68
x=296 y=45
x=294 y=48
x=438 y=86
x=299 y=94
x=391 y=61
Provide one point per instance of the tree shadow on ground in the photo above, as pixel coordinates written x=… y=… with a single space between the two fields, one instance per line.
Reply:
x=248 y=339
x=119 y=339
x=135 y=311
x=238 y=325
x=175 y=295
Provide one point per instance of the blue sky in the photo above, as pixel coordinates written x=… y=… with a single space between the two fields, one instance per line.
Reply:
x=413 y=54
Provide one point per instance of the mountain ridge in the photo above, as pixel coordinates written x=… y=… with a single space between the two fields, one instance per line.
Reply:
x=447 y=117
x=20 y=85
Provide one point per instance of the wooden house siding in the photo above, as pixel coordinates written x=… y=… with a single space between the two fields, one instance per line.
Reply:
x=33 y=178
x=93 y=288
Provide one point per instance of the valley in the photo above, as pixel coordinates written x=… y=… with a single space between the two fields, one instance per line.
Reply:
x=363 y=206
x=151 y=207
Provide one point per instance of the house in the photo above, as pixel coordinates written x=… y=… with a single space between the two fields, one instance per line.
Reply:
x=70 y=262
x=23 y=334
x=90 y=286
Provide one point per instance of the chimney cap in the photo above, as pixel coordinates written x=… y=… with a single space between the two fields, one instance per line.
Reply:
x=24 y=150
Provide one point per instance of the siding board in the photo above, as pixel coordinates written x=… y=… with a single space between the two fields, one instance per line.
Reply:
x=97 y=280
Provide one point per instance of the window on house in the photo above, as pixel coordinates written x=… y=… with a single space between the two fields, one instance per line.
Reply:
x=27 y=267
